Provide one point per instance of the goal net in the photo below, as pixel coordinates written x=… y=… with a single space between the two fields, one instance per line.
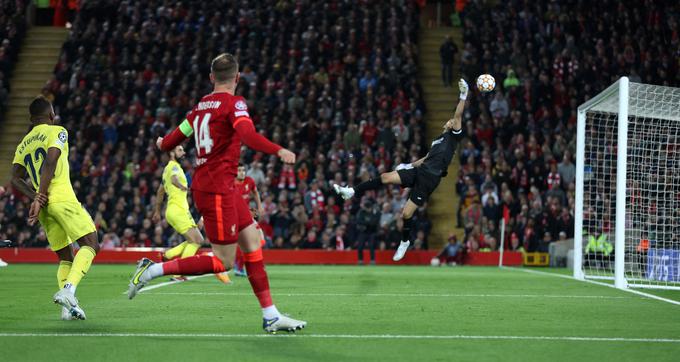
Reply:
x=628 y=187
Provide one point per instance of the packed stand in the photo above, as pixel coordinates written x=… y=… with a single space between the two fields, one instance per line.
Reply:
x=548 y=58
x=12 y=30
x=336 y=83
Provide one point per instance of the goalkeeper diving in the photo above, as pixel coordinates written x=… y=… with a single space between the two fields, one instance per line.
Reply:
x=422 y=176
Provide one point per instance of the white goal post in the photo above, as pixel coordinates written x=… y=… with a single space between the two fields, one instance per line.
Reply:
x=627 y=201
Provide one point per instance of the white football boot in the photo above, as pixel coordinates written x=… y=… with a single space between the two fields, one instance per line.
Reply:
x=69 y=301
x=401 y=250
x=282 y=323
x=345 y=192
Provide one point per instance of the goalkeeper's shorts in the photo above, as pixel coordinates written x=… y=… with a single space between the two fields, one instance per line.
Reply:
x=421 y=182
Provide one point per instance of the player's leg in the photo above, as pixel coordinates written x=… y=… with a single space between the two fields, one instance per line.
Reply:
x=65 y=256
x=61 y=245
x=213 y=218
x=407 y=215
x=175 y=251
x=387 y=178
x=250 y=242
x=76 y=224
x=423 y=186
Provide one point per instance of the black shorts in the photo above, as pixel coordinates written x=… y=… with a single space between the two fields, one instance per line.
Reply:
x=421 y=182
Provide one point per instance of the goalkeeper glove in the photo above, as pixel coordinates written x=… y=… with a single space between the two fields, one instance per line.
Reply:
x=464 y=88
x=404 y=166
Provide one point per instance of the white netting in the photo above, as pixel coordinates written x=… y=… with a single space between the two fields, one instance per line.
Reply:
x=652 y=230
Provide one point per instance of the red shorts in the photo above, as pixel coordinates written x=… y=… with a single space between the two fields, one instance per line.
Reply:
x=224 y=215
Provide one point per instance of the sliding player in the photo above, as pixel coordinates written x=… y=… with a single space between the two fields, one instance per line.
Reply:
x=219 y=122
x=246 y=187
x=177 y=212
x=422 y=176
x=44 y=154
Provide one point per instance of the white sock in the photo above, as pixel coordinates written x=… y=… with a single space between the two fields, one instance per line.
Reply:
x=154 y=271
x=270 y=312
x=70 y=287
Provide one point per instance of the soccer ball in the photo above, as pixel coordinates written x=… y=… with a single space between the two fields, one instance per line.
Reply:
x=486 y=83
x=435 y=262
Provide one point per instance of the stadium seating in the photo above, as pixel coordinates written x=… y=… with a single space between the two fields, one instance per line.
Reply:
x=548 y=57
x=337 y=85
x=12 y=30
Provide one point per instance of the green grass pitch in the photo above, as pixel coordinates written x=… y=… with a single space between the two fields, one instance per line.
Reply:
x=354 y=313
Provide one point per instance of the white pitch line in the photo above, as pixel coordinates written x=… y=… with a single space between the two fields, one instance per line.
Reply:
x=164 y=284
x=633 y=291
x=348 y=336
x=408 y=295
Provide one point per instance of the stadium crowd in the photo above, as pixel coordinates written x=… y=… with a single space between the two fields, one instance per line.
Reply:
x=335 y=82
x=548 y=57
x=12 y=30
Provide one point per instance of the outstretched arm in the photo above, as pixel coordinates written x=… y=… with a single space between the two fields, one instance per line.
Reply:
x=249 y=136
x=456 y=123
x=177 y=136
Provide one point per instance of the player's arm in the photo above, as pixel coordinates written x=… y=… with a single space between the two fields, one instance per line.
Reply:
x=175 y=181
x=177 y=136
x=258 y=201
x=419 y=162
x=456 y=123
x=19 y=182
x=46 y=176
x=246 y=131
x=160 y=196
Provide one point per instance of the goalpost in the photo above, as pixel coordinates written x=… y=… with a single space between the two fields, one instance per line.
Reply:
x=627 y=204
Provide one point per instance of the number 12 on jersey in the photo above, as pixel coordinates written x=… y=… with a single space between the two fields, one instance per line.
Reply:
x=202 y=134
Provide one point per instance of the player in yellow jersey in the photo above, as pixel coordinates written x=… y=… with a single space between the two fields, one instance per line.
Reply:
x=177 y=212
x=42 y=156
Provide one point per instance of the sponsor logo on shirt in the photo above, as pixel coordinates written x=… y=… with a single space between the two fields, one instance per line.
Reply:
x=437 y=141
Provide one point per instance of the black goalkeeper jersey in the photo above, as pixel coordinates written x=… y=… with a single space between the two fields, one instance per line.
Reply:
x=441 y=152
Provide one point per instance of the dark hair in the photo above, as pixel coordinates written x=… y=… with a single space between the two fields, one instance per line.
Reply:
x=224 y=67
x=39 y=107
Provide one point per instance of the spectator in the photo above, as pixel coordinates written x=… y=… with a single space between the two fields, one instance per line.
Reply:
x=447 y=54
x=452 y=253
x=117 y=89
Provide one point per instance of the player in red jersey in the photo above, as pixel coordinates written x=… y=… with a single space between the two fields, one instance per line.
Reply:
x=219 y=123
x=246 y=187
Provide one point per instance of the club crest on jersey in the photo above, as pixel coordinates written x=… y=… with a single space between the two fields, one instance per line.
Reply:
x=241 y=106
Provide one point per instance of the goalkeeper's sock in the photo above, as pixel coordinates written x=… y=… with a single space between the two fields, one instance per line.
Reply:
x=62 y=272
x=81 y=264
x=176 y=251
x=258 y=279
x=372 y=184
x=406 y=231
x=190 y=249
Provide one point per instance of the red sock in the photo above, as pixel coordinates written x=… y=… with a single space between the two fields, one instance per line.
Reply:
x=257 y=277
x=239 y=258
x=193 y=265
